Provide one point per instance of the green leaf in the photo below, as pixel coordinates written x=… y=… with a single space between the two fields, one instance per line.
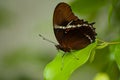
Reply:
x=68 y=63
x=117 y=54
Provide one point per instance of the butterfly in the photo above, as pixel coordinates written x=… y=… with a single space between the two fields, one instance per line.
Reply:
x=71 y=32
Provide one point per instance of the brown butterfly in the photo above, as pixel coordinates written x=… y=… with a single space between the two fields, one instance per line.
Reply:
x=71 y=32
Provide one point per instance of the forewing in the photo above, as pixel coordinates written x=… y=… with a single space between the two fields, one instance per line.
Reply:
x=63 y=15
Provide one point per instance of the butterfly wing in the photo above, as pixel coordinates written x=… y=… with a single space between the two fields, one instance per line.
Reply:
x=79 y=37
x=63 y=15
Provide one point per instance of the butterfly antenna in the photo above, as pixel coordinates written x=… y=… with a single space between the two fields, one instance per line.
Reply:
x=47 y=39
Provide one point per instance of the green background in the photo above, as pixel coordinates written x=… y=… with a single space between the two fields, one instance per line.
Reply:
x=24 y=55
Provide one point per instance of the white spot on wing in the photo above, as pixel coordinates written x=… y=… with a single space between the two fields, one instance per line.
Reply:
x=85 y=24
x=79 y=25
x=88 y=37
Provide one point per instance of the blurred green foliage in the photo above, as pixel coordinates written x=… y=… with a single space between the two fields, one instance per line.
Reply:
x=5 y=17
x=86 y=7
x=23 y=56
